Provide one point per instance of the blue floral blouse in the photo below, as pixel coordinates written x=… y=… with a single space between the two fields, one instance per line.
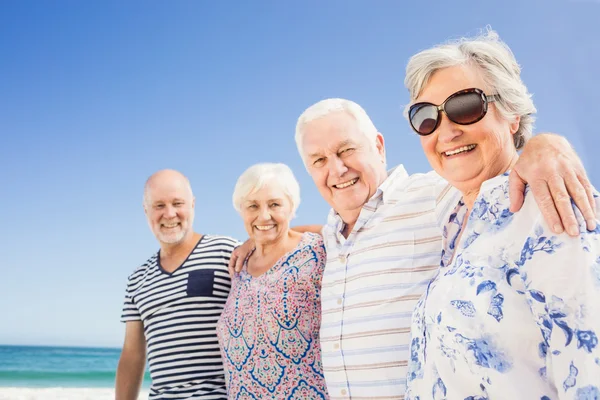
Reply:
x=514 y=312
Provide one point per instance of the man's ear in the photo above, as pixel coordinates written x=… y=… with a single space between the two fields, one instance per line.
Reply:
x=380 y=145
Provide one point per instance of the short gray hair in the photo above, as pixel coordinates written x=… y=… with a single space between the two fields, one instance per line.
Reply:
x=329 y=106
x=260 y=175
x=499 y=69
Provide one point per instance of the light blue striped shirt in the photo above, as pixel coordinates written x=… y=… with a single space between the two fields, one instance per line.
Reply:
x=373 y=280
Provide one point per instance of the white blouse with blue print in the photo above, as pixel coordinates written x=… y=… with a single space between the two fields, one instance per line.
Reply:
x=514 y=312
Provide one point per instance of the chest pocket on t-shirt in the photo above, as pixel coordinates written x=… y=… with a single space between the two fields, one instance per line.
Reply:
x=200 y=283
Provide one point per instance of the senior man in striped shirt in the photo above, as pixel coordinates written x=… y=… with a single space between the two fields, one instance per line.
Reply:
x=174 y=300
x=383 y=240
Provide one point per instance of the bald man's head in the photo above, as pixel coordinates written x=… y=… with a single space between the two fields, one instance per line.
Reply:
x=169 y=206
x=166 y=176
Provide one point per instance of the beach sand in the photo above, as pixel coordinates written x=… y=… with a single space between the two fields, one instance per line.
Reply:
x=9 y=393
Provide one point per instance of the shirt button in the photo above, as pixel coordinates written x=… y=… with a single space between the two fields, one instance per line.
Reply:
x=343 y=259
x=339 y=301
x=344 y=392
x=336 y=346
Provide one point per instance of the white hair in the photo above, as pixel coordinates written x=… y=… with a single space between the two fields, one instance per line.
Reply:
x=499 y=68
x=267 y=174
x=329 y=106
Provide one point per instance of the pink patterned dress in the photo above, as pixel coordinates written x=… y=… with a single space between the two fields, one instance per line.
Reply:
x=269 y=329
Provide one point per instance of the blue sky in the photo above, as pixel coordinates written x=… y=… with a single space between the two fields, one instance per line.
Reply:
x=96 y=96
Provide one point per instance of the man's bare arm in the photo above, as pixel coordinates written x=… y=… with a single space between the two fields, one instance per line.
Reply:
x=132 y=364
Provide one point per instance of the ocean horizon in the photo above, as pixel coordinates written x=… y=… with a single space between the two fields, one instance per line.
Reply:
x=59 y=367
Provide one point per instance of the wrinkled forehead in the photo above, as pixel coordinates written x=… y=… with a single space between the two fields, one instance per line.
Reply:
x=168 y=190
x=330 y=132
x=270 y=190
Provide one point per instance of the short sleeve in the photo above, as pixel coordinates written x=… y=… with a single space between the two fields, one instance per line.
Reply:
x=230 y=245
x=222 y=279
x=130 y=311
x=227 y=246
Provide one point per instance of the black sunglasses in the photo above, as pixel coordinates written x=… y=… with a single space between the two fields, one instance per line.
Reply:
x=464 y=107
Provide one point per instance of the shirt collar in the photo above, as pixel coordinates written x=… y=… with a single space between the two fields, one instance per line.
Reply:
x=384 y=192
x=491 y=183
x=396 y=176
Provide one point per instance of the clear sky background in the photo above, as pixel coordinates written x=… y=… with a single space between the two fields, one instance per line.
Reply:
x=95 y=96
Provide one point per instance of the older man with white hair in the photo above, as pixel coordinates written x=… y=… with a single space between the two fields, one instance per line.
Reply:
x=383 y=239
x=383 y=246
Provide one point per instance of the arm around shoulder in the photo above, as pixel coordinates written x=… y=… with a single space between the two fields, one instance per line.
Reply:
x=132 y=363
x=555 y=175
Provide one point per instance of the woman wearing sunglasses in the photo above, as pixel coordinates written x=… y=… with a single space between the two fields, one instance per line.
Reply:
x=514 y=312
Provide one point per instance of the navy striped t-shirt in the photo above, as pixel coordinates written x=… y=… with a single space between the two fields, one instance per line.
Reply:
x=180 y=311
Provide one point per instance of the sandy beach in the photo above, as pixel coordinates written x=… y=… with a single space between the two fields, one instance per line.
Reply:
x=9 y=393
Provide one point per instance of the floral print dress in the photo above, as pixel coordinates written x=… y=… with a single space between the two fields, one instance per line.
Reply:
x=514 y=312
x=269 y=329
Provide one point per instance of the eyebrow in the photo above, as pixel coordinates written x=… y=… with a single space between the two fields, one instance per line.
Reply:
x=313 y=155
x=173 y=200
x=274 y=199
x=342 y=144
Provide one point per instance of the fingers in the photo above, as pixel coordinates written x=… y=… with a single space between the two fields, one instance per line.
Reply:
x=545 y=201
x=582 y=193
x=516 y=190
x=562 y=202
x=589 y=190
x=239 y=263
x=238 y=257
x=232 y=261
x=557 y=179
x=554 y=201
